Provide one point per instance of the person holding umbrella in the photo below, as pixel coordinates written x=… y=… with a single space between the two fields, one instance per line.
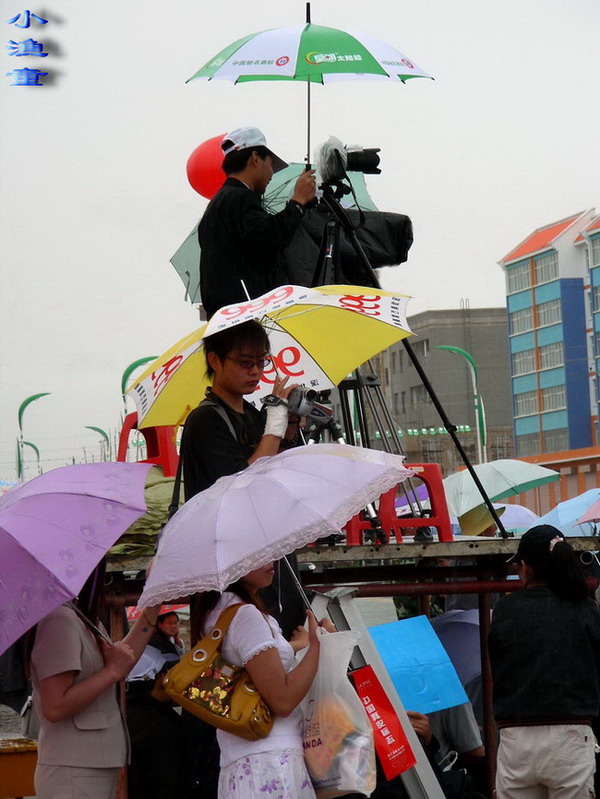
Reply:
x=275 y=764
x=240 y=241
x=74 y=670
x=544 y=647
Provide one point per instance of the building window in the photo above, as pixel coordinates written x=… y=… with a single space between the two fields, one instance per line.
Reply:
x=546 y=268
x=556 y=440
x=393 y=361
x=528 y=444
x=432 y=449
x=518 y=278
x=526 y=403
x=523 y=362
x=521 y=321
x=396 y=405
x=596 y=251
x=421 y=348
x=552 y=355
x=403 y=401
x=554 y=398
x=549 y=313
x=418 y=396
x=596 y=298
x=387 y=376
x=501 y=447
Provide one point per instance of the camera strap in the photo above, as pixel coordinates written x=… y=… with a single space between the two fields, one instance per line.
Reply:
x=174 y=504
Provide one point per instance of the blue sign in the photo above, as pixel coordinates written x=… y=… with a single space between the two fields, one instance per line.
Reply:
x=418 y=665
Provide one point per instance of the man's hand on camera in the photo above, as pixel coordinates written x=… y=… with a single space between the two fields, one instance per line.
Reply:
x=281 y=388
x=305 y=188
x=277 y=415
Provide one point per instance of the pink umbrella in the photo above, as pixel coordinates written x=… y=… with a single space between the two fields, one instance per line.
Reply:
x=591 y=515
x=53 y=532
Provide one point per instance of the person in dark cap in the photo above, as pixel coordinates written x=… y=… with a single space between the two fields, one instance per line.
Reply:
x=240 y=241
x=544 y=646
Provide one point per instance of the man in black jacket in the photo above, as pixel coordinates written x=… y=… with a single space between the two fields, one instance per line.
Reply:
x=240 y=241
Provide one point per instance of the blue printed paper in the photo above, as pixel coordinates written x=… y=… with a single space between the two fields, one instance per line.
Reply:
x=418 y=664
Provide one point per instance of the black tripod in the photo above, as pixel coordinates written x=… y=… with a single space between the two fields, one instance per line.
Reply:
x=329 y=260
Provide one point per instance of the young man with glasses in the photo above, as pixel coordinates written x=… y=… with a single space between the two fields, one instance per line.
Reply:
x=225 y=433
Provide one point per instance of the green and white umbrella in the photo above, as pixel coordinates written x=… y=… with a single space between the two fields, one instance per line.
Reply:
x=311 y=53
x=500 y=479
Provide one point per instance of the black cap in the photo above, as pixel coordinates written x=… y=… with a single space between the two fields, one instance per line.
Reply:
x=536 y=542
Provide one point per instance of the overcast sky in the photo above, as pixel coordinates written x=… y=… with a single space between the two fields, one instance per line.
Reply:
x=95 y=198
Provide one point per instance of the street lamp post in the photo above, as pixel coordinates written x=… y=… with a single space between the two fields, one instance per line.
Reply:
x=20 y=442
x=480 y=426
x=104 y=441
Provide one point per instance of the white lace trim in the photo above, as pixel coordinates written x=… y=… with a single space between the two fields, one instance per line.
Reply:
x=218 y=581
x=258 y=649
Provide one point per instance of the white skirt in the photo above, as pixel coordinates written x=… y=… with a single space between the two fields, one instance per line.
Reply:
x=268 y=775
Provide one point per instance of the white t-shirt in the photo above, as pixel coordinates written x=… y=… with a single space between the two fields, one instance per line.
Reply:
x=252 y=632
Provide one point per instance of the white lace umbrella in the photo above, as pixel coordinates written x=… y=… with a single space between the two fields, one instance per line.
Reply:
x=273 y=507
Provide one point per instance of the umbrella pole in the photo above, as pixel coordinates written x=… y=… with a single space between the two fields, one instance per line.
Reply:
x=308 y=102
x=297 y=583
x=308 y=124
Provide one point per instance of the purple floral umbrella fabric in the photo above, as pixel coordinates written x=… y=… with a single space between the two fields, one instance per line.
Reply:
x=53 y=532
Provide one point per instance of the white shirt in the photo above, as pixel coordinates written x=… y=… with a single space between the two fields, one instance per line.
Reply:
x=252 y=632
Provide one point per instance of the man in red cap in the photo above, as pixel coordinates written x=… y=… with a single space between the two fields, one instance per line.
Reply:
x=240 y=241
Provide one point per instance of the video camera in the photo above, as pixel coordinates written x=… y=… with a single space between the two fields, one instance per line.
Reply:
x=334 y=160
x=313 y=405
x=307 y=403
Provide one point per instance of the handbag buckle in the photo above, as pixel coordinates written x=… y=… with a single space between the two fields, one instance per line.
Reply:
x=199 y=655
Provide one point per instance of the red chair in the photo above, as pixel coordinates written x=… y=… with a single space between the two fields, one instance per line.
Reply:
x=160 y=445
x=431 y=475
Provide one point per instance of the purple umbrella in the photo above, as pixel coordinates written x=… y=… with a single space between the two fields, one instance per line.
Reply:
x=458 y=630
x=53 y=532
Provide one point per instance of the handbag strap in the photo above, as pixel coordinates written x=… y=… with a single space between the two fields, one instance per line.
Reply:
x=176 y=497
x=211 y=643
x=98 y=633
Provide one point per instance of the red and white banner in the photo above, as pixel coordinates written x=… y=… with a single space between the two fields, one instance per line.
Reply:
x=391 y=744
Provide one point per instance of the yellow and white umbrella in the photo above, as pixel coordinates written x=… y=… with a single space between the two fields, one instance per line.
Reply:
x=318 y=336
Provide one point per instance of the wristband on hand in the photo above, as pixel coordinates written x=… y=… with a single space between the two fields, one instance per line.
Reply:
x=277 y=420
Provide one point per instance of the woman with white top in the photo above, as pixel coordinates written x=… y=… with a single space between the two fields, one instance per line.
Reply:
x=275 y=764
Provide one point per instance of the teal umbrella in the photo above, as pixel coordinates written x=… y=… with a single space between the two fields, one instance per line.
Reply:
x=186 y=260
x=500 y=479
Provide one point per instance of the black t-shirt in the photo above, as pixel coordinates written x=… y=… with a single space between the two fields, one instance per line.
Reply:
x=209 y=449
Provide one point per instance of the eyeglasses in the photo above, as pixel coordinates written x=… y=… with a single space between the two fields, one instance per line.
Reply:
x=250 y=363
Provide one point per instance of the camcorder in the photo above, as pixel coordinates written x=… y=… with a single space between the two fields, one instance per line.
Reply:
x=306 y=402
x=313 y=405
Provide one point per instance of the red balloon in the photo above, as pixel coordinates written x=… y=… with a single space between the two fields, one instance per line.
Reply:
x=204 y=167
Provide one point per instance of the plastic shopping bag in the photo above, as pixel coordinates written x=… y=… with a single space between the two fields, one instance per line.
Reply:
x=338 y=737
